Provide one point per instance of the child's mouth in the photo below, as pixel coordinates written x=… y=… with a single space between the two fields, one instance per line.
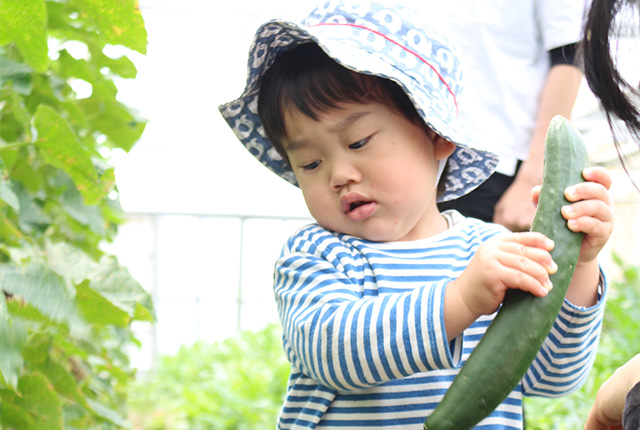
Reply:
x=357 y=207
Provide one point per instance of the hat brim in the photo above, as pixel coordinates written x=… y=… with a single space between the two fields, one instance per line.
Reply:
x=367 y=51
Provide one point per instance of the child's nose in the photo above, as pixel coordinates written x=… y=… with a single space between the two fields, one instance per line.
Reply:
x=344 y=173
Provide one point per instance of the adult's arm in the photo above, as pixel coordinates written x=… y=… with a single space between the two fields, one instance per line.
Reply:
x=514 y=210
x=617 y=395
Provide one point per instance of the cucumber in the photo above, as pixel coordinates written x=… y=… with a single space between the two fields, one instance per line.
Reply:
x=513 y=339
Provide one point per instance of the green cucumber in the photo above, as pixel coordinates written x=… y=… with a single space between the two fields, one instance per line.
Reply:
x=515 y=336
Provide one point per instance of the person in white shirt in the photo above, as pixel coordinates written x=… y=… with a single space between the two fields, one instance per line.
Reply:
x=518 y=68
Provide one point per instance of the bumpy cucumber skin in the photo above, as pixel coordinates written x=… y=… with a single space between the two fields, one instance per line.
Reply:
x=511 y=342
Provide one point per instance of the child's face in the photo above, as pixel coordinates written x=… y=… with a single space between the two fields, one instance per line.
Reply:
x=367 y=171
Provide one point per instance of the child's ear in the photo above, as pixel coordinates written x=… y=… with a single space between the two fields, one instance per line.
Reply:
x=442 y=148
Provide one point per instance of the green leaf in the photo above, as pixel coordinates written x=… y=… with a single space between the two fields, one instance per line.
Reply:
x=107 y=278
x=119 y=22
x=121 y=66
x=60 y=148
x=24 y=171
x=13 y=106
x=8 y=158
x=27 y=312
x=115 y=283
x=37 y=407
x=10 y=234
x=30 y=213
x=98 y=310
x=114 y=120
x=13 y=338
x=38 y=349
x=69 y=262
x=71 y=202
x=17 y=73
x=63 y=382
x=144 y=312
x=70 y=67
x=7 y=195
x=108 y=414
x=108 y=180
x=44 y=290
x=25 y=23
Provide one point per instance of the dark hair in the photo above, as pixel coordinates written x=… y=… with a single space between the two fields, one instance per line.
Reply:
x=615 y=94
x=307 y=79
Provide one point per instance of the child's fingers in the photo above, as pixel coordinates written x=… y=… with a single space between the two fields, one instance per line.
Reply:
x=598 y=183
x=591 y=211
x=520 y=256
x=596 y=232
x=598 y=175
x=530 y=239
x=596 y=210
x=587 y=191
x=592 y=216
x=525 y=276
x=510 y=261
x=528 y=267
x=535 y=194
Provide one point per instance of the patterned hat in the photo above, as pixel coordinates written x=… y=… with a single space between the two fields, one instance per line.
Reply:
x=385 y=40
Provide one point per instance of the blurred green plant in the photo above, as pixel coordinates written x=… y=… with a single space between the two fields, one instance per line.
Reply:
x=238 y=383
x=66 y=307
x=619 y=341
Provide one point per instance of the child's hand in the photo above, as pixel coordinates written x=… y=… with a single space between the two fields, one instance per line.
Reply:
x=512 y=261
x=590 y=212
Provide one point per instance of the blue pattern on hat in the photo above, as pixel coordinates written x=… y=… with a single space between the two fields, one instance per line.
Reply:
x=367 y=37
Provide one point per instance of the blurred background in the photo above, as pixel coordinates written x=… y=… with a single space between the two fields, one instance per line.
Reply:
x=205 y=221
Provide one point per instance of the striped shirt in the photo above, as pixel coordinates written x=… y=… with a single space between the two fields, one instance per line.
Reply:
x=364 y=331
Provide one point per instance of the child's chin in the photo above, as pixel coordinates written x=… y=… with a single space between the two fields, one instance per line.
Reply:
x=359 y=230
x=374 y=236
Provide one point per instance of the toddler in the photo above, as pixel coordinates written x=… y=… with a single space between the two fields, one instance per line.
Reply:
x=383 y=299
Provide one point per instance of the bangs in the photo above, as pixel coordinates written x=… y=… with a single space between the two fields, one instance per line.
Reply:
x=306 y=79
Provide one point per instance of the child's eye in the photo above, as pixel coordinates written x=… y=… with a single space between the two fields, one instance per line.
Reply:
x=359 y=144
x=311 y=166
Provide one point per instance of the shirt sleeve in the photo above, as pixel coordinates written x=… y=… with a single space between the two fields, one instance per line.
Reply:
x=567 y=354
x=560 y=22
x=563 y=55
x=346 y=340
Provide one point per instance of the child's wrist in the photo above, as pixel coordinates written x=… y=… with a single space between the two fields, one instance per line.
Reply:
x=458 y=314
x=585 y=285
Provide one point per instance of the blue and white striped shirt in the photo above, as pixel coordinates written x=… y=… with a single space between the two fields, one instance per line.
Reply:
x=364 y=331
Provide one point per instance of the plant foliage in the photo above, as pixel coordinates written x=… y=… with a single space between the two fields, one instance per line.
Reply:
x=239 y=383
x=66 y=307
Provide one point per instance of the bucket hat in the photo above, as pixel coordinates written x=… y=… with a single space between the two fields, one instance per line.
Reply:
x=376 y=38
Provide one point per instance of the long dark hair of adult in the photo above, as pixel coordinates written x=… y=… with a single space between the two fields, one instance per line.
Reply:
x=615 y=94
